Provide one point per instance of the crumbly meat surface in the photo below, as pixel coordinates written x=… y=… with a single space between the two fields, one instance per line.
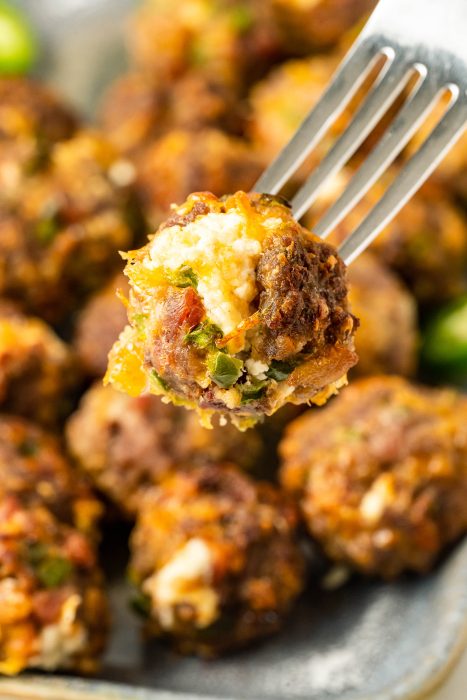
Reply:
x=127 y=445
x=381 y=474
x=216 y=558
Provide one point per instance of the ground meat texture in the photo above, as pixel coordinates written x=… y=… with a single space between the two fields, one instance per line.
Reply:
x=32 y=120
x=38 y=372
x=381 y=474
x=127 y=445
x=233 y=41
x=33 y=468
x=216 y=561
x=59 y=240
x=387 y=340
x=53 y=609
x=98 y=326
x=235 y=308
x=139 y=108
x=181 y=162
x=314 y=25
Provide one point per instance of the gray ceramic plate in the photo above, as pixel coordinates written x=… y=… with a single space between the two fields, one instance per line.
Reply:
x=367 y=641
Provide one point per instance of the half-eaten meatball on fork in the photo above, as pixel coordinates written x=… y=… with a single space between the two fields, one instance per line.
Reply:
x=235 y=308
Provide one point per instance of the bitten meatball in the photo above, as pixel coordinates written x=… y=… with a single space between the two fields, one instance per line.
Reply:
x=180 y=162
x=127 y=445
x=313 y=25
x=381 y=474
x=235 y=308
x=59 y=240
x=98 y=326
x=139 y=108
x=215 y=558
x=387 y=339
x=32 y=120
x=53 y=610
x=38 y=371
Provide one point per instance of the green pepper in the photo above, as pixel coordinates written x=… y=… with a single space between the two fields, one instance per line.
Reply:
x=204 y=335
x=53 y=571
x=18 y=47
x=224 y=369
x=253 y=391
x=445 y=342
x=280 y=370
x=183 y=277
x=158 y=379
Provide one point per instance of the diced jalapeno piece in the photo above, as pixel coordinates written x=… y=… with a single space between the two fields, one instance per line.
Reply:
x=54 y=571
x=203 y=335
x=18 y=48
x=252 y=392
x=280 y=370
x=158 y=379
x=224 y=369
x=183 y=277
x=445 y=341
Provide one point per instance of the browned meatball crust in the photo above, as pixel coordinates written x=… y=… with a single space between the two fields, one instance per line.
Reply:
x=127 y=445
x=59 y=240
x=387 y=340
x=215 y=557
x=33 y=468
x=38 y=371
x=381 y=474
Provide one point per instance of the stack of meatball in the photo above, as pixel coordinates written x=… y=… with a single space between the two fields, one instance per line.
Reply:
x=377 y=479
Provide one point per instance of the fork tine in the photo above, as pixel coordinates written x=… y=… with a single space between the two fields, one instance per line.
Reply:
x=342 y=88
x=413 y=175
x=380 y=98
x=391 y=144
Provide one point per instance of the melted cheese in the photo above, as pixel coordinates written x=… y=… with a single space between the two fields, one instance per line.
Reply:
x=223 y=252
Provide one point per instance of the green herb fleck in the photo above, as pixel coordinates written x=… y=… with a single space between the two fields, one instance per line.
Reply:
x=53 y=571
x=203 y=335
x=46 y=229
x=162 y=383
x=183 y=277
x=28 y=448
x=242 y=19
x=280 y=370
x=253 y=391
x=141 y=604
x=224 y=369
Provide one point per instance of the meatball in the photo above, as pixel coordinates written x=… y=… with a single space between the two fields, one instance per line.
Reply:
x=33 y=468
x=233 y=41
x=128 y=444
x=139 y=108
x=59 y=241
x=180 y=162
x=427 y=245
x=38 y=372
x=235 y=308
x=98 y=326
x=314 y=25
x=381 y=474
x=32 y=120
x=53 y=610
x=216 y=559
x=387 y=340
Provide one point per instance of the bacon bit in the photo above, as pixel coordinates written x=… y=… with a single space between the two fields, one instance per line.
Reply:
x=47 y=605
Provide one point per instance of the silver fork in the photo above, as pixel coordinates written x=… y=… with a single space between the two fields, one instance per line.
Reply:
x=425 y=37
